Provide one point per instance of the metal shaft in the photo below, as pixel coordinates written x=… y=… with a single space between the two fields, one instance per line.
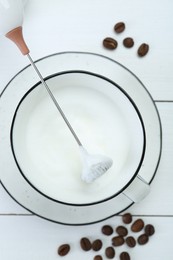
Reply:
x=54 y=100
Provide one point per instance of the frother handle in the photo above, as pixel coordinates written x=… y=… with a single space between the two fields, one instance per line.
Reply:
x=16 y=35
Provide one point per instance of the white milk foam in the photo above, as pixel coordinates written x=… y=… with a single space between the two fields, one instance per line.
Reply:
x=48 y=154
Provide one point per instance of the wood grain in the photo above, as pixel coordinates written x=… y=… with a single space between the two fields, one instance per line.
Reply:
x=82 y=25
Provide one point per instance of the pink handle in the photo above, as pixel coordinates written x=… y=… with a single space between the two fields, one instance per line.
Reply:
x=16 y=36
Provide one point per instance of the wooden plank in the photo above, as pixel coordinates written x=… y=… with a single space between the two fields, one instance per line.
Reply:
x=160 y=199
x=33 y=238
x=76 y=30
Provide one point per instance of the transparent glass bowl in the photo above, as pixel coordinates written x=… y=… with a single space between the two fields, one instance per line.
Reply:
x=111 y=111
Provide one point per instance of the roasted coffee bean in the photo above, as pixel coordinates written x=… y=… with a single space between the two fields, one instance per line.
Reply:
x=117 y=241
x=107 y=230
x=63 y=249
x=110 y=43
x=110 y=252
x=149 y=230
x=127 y=218
x=97 y=245
x=137 y=225
x=143 y=49
x=119 y=27
x=142 y=239
x=122 y=231
x=98 y=257
x=85 y=244
x=130 y=241
x=124 y=256
x=128 y=42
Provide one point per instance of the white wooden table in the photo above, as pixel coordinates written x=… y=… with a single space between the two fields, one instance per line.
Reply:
x=68 y=25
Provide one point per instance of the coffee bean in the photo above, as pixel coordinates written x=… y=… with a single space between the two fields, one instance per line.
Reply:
x=127 y=218
x=130 y=241
x=119 y=27
x=97 y=245
x=107 y=230
x=85 y=244
x=137 y=225
x=128 y=42
x=117 y=241
x=110 y=252
x=122 y=231
x=110 y=43
x=124 y=256
x=98 y=257
x=63 y=249
x=149 y=230
x=143 y=49
x=142 y=239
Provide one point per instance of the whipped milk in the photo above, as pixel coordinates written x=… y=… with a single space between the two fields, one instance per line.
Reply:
x=105 y=122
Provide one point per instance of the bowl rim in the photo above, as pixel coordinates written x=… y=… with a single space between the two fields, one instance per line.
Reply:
x=137 y=113
x=76 y=216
